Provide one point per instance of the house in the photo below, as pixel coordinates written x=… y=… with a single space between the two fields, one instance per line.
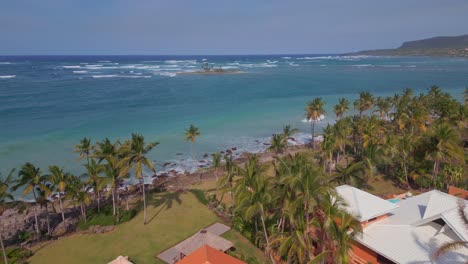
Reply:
x=210 y=236
x=407 y=231
x=209 y=255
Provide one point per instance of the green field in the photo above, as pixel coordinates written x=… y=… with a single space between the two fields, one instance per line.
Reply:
x=172 y=218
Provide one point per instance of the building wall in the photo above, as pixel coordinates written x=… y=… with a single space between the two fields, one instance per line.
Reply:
x=361 y=254
x=366 y=223
x=452 y=190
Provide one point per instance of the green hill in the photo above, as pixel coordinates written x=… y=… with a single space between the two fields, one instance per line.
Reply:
x=454 y=46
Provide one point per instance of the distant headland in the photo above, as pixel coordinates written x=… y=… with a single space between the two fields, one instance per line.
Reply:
x=445 y=46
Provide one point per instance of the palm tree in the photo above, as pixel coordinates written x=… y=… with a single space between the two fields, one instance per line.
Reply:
x=383 y=106
x=341 y=108
x=328 y=147
x=59 y=179
x=95 y=180
x=43 y=201
x=314 y=111
x=342 y=130
x=216 y=163
x=31 y=178
x=288 y=132
x=83 y=198
x=344 y=229
x=277 y=143
x=190 y=135
x=365 y=102
x=442 y=144
x=405 y=146
x=4 y=197
x=84 y=148
x=138 y=159
x=112 y=154
x=253 y=196
x=226 y=182
x=352 y=174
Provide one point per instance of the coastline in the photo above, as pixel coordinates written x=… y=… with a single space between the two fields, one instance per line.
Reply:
x=19 y=219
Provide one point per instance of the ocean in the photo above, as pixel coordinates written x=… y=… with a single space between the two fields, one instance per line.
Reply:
x=48 y=103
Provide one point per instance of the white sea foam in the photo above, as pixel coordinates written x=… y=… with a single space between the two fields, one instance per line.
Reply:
x=4 y=62
x=168 y=74
x=286 y=58
x=390 y=66
x=104 y=61
x=204 y=59
x=71 y=67
x=321 y=117
x=362 y=65
x=322 y=65
x=180 y=61
x=80 y=72
x=272 y=62
x=121 y=76
x=294 y=64
x=341 y=58
x=7 y=76
x=229 y=67
x=105 y=76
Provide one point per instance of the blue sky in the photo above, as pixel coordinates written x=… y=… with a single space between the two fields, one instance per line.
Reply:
x=221 y=26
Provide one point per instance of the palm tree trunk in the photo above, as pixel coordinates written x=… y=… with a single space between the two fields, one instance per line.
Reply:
x=267 y=239
x=5 y=257
x=313 y=133
x=47 y=218
x=61 y=209
x=98 y=201
x=435 y=171
x=405 y=169
x=84 y=213
x=35 y=214
x=113 y=201
x=142 y=182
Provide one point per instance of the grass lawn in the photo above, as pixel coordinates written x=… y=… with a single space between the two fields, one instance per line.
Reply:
x=172 y=218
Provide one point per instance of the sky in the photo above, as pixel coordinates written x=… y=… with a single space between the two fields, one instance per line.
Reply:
x=182 y=27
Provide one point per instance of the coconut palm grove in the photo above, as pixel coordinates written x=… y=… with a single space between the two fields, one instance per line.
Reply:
x=282 y=204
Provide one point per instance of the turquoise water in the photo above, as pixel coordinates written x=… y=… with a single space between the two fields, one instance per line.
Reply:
x=394 y=200
x=47 y=104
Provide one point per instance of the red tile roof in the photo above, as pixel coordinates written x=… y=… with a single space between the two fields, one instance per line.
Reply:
x=209 y=255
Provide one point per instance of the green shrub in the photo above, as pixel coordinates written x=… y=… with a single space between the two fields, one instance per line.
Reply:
x=16 y=255
x=105 y=217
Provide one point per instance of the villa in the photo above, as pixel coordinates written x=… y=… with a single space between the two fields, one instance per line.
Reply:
x=405 y=231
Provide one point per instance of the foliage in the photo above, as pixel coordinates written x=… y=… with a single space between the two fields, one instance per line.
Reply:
x=200 y=194
x=16 y=255
x=105 y=217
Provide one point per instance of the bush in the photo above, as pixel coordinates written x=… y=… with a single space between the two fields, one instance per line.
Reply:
x=16 y=255
x=105 y=217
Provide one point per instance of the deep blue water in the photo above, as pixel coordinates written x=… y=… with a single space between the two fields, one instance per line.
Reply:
x=47 y=104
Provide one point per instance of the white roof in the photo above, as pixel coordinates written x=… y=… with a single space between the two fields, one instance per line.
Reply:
x=120 y=260
x=454 y=221
x=409 y=244
x=409 y=234
x=364 y=205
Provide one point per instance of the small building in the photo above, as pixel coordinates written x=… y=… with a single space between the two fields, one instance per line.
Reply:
x=408 y=231
x=120 y=260
x=200 y=239
x=209 y=255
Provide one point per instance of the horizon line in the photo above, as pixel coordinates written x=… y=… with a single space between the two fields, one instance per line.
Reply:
x=246 y=54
